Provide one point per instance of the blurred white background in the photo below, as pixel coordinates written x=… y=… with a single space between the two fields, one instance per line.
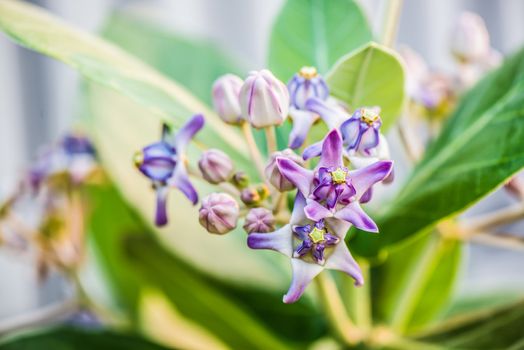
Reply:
x=37 y=98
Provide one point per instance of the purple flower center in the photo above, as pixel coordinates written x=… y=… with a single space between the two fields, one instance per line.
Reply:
x=333 y=186
x=361 y=131
x=315 y=238
x=157 y=161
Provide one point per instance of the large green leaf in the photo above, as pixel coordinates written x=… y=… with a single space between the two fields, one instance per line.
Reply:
x=124 y=109
x=315 y=33
x=480 y=148
x=196 y=64
x=68 y=338
x=496 y=329
x=372 y=75
x=416 y=281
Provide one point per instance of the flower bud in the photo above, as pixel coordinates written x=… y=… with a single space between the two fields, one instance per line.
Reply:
x=215 y=166
x=219 y=213
x=470 y=40
x=225 y=94
x=274 y=175
x=250 y=196
x=260 y=220
x=264 y=100
x=307 y=83
x=240 y=179
x=263 y=192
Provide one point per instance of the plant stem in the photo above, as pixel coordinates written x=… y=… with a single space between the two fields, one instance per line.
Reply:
x=271 y=139
x=336 y=313
x=499 y=240
x=487 y=221
x=390 y=23
x=253 y=149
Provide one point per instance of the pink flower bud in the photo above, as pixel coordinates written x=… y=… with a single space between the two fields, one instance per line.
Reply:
x=219 y=213
x=264 y=100
x=470 y=39
x=215 y=166
x=260 y=220
x=250 y=196
x=226 y=90
x=274 y=175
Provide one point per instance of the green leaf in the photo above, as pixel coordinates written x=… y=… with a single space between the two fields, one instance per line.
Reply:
x=196 y=64
x=315 y=33
x=108 y=65
x=69 y=338
x=481 y=146
x=416 y=281
x=241 y=316
x=497 y=329
x=372 y=75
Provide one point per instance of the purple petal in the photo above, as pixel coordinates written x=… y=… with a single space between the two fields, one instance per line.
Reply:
x=331 y=239
x=362 y=179
x=298 y=176
x=303 y=274
x=304 y=248
x=280 y=240
x=318 y=253
x=186 y=132
x=161 y=205
x=338 y=227
x=302 y=122
x=354 y=214
x=333 y=117
x=312 y=151
x=342 y=260
x=297 y=215
x=180 y=180
x=350 y=130
x=331 y=150
x=316 y=211
x=366 y=197
x=369 y=139
x=302 y=231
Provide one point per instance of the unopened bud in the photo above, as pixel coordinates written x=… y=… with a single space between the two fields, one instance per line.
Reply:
x=264 y=100
x=219 y=213
x=263 y=192
x=250 y=196
x=240 y=180
x=307 y=83
x=260 y=220
x=274 y=175
x=226 y=90
x=470 y=40
x=215 y=166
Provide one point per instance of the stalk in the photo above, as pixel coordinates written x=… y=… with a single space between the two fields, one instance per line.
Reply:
x=253 y=149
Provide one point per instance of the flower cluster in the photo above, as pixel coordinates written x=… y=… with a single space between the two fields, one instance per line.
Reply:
x=327 y=198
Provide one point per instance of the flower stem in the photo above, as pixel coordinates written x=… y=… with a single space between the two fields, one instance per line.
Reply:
x=336 y=313
x=499 y=240
x=500 y=217
x=253 y=149
x=271 y=139
x=390 y=24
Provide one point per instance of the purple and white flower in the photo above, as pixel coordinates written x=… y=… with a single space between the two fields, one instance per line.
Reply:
x=216 y=166
x=164 y=163
x=312 y=246
x=273 y=173
x=362 y=140
x=264 y=100
x=331 y=190
x=305 y=84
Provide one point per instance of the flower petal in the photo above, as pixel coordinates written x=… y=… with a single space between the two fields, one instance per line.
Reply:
x=350 y=130
x=303 y=274
x=280 y=240
x=316 y=211
x=180 y=180
x=354 y=214
x=341 y=260
x=369 y=139
x=297 y=175
x=332 y=116
x=161 y=205
x=366 y=197
x=297 y=215
x=302 y=122
x=312 y=151
x=186 y=132
x=331 y=150
x=362 y=179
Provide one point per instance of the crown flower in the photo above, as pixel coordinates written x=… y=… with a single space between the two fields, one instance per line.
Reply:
x=163 y=162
